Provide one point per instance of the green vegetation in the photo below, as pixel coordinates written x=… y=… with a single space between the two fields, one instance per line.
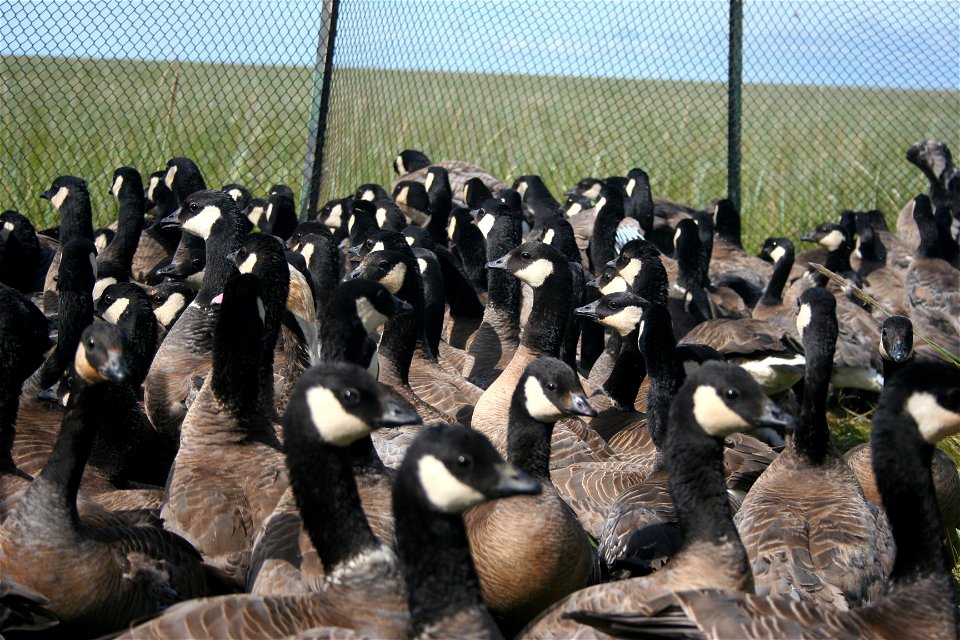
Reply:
x=808 y=151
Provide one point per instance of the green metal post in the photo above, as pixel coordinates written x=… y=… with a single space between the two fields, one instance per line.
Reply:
x=734 y=95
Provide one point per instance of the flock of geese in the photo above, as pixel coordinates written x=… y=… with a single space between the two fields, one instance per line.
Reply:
x=460 y=409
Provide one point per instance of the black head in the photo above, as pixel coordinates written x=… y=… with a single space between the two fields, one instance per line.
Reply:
x=587 y=188
x=454 y=468
x=409 y=160
x=390 y=268
x=830 y=235
x=655 y=329
x=157 y=192
x=310 y=227
x=531 y=262
x=102 y=238
x=257 y=250
x=183 y=177
x=549 y=389
x=280 y=189
x=374 y=305
x=726 y=220
x=776 y=249
x=78 y=266
x=126 y=181
x=379 y=240
x=204 y=213
x=370 y=192
x=412 y=194
x=928 y=391
x=632 y=256
x=333 y=212
x=722 y=399
x=896 y=339
x=339 y=403
x=388 y=214
x=437 y=180
x=609 y=281
x=576 y=203
x=169 y=299
x=64 y=188
x=99 y=356
x=620 y=311
x=240 y=194
x=121 y=298
x=513 y=200
x=475 y=193
x=419 y=237
x=558 y=232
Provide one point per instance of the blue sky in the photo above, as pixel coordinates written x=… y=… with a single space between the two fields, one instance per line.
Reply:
x=841 y=42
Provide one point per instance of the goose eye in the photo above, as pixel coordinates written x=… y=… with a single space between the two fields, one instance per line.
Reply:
x=732 y=394
x=91 y=343
x=108 y=299
x=350 y=396
x=197 y=262
x=525 y=255
x=465 y=461
x=194 y=206
x=161 y=299
x=384 y=264
x=613 y=304
x=551 y=386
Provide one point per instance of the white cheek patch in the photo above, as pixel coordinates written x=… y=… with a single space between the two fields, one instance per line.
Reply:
x=803 y=318
x=254 y=215
x=269 y=211
x=154 y=181
x=631 y=183
x=100 y=285
x=934 y=421
x=8 y=227
x=410 y=240
x=548 y=237
x=713 y=415
x=236 y=194
x=261 y=311
x=332 y=422
x=444 y=491
x=350 y=223
x=676 y=236
x=536 y=273
x=307 y=252
x=617 y=285
x=367 y=195
x=400 y=167
x=117 y=185
x=485 y=224
x=593 y=191
x=379 y=246
x=778 y=253
x=168 y=179
x=169 y=309
x=381 y=217
x=59 y=197
x=422 y=264
x=640 y=328
x=428 y=182
x=452 y=227
x=394 y=278
x=600 y=204
x=522 y=188
x=333 y=220
x=574 y=209
x=832 y=240
x=101 y=242
x=247 y=265
x=114 y=311
x=624 y=321
x=402 y=196
x=202 y=223
x=631 y=269
x=537 y=404
x=369 y=315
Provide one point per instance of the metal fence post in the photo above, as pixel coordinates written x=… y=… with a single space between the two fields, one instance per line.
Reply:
x=319 y=108
x=734 y=95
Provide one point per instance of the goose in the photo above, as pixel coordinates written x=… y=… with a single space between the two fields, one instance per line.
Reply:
x=388 y=214
x=728 y=259
x=780 y=252
x=370 y=191
x=128 y=306
x=536 y=198
x=468 y=243
x=157 y=242
x=71 y=198
x=412 y=165
x=917 y=408
x=240 y=194
x=97 y=579
x=934 y=159
x=183 y=359
x=169 y=300
x=715 y=401
x=25 y=258
x=332 y=213
x=805 y=524
x=117 y=258
x=183 y=178
x=323 y=262
x=450 y=468
x=437 y=184
x=530 y=551
x=229 y=473
x=280 y=215
x=413 y=201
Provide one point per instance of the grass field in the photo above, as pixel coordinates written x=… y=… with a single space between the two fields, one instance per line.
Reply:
x=807 y=151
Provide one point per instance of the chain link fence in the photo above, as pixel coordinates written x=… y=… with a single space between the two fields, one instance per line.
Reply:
x=833 y=94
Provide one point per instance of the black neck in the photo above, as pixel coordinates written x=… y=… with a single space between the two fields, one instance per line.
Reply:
x=237 y=377
x=695 y=464
x=457 y=289
x=139 y=329
x=218 y=267
x=773 y=295
x=324 y=267
x=528 y=439
x=641 y=200
x=552 y=303
x=76 y=218
x=890 y=367
x=651 y=282
x=666 y=376
x=322 y=479
x=342 y=338
x=503 y=290
x=689 y=263
x=812 y=437
x=902 y=461
x=435 y=555
x=400 y=334
x=75 y=315
x=602 y=249
x=473 y=254
x=628 y=373
x=129 y=227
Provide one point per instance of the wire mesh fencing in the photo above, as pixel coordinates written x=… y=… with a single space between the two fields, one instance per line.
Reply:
x=833 y=94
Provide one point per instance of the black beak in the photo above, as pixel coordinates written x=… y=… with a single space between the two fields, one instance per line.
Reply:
x=46 y=195
x=50 y=395
x=172 y=220
x=592 y=282
x=169 y=270
x=232 y=256
x=513 y=482
x=775 y=418
x=898 y=352
x=356 y=273
x=576 y=404
x=354 y=250
x=396 y=414
x=809 y=237
x=401 y=306
x=116 y=369
x=499 y=263
x=588 y=310
x=612 y=263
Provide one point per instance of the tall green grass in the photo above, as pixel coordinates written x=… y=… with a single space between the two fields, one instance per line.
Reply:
x=807 y=151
